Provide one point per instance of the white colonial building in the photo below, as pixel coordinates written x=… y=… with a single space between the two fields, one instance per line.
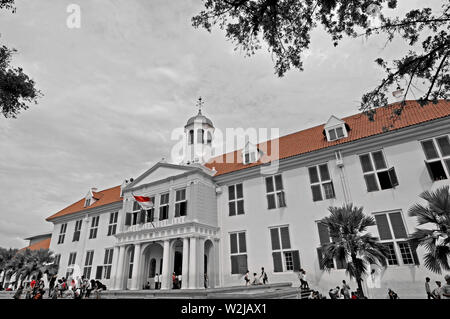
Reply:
x=240 y=212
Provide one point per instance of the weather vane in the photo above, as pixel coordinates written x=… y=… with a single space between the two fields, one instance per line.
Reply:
x=200 y=104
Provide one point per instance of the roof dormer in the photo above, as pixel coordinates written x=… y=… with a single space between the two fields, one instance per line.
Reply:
x=335 y=129
x=250 y=154
x=91 y=197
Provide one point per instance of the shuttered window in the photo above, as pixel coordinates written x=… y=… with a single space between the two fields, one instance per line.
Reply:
x=376 y=173
x=62 y=233
x=107 y=263
x=164 y=206
x=324 y=237
x=393 y=234
x=112 y=227
x=235 y=200
x=94 y=227
x=284 y=258
x=275 y=192
x=437 y=157
x=88 y=264
x=238 y=252
x=180 y=203
x=321 y=183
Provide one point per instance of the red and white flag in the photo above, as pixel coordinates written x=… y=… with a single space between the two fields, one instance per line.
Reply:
x=144 y=201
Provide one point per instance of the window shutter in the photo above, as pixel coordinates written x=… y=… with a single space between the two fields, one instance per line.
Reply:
x=271 y=201
x=366 y=164
x=234 y=265
x=275 y=238
x=240 y=207
x=383 y=227
x=232 y=209
x=242 y=264
x=233 y=243
x=128 y=219
x=231 y=192
x=397 y=225
x=378 y=159
x=317 y=194
x=429 y=149
x=282 y=199
x=285 y=242
x=242 y=243
x=415 y=256
x=393 y=177
x=278 y=183
x=269 y=184
x=430 y=171
x=341 y=264
x=371 y=182
x=444 y=145
x=239 y=191
x=324 y=173
x=324 y=233
x=320 y=257
x=177 y=209
x=277 y=262
x=313 y=176
x=98 y=274
x=296 y=260
x=142 y=216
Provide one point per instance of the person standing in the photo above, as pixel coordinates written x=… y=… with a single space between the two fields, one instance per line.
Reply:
x=304 y=283
x=446 y=288
x=156 y=281
x=51 y=285
x=263 y=276
x=427 y=288
x=255 y=279
x=205 y=280
x=345 y=290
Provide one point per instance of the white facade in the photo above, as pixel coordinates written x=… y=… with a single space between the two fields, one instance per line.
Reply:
x=202 y=226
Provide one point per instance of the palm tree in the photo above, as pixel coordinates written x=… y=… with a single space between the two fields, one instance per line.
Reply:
x=436 y=236
x=5 y=257
x=36 y=263
x=347 y=226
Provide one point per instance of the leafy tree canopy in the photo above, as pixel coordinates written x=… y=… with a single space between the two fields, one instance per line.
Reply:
x=285 y=26
x=17 y=89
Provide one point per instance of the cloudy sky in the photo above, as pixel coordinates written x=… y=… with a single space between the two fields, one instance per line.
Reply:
x=116 y=88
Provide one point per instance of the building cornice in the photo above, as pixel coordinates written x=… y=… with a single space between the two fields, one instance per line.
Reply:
x=407 y=134
x=87 y=212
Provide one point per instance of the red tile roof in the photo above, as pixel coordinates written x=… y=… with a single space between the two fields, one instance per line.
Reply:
x=43 y=244
x=312 y=139
x=107 y=196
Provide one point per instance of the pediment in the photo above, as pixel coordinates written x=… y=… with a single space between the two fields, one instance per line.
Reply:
x=158 y=172
x=333 y=121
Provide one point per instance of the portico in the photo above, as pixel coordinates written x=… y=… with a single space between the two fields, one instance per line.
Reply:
x=187 y=249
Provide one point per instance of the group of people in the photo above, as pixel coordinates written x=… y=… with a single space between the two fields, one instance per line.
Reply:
x=345 y=292
x=260 y=279
x=75 y=288
x=441 y=291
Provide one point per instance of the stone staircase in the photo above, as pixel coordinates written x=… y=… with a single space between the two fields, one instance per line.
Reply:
x=270 y=291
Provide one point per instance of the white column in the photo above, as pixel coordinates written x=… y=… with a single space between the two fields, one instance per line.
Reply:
x=165 y=282
x=201 y=262
x=119 y=271
x=114 y=267
x=185 y=266
x=136 y=268
x=193 y=277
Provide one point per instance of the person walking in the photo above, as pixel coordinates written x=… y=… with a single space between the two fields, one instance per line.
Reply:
x=427 y=288
x=437 y=292
x=247 y=280
x=263 y=276
x=156 y=281
x=303 y=282
x=345 y=290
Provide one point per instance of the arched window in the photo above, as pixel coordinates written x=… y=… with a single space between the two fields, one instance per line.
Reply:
x=191 y=137
x=152 y=268
x=209 y=138
x=200 y=134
